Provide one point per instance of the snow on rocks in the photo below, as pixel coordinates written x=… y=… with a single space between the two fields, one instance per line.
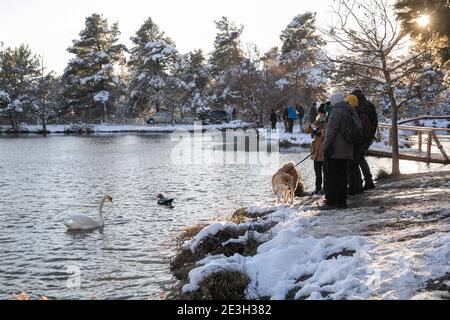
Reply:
x=210 y=230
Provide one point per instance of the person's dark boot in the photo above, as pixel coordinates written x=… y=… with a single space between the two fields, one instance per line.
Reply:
x=342 y=205
x=369 y=185
x=327 y=206
x=355 y=191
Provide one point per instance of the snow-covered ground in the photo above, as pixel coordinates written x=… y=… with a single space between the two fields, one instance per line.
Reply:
x=297 y=138
x=430 y=123
x=111 y=128
x=393 y=243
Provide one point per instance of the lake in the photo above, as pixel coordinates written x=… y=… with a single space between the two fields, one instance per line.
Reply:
x=45 y=180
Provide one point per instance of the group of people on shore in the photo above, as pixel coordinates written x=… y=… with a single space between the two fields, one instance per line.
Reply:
x=343 y=130
x=291 y=113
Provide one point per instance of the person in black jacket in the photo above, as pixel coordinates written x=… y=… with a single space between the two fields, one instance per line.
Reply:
x=369 y=109
x=355 y=183
x=273 y=119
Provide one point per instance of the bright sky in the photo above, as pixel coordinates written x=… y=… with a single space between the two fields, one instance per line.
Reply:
x=48 y=26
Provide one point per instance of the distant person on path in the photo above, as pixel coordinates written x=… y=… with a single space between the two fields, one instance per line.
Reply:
x=337 y=152
x=313 y=112
x=285 y=119
x=369 y=109
x=292 y=114
x=273 y=119
x=300 y=114
x=317 y=128
x=234 y=114
x=355 y=184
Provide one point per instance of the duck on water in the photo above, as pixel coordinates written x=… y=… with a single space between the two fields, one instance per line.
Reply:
x=162 y=201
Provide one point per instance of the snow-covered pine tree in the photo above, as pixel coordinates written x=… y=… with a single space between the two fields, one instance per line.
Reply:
x=193 y=72
x=19 y=68
x=152 y=62
x=92 y=87
x=225 y=64
x=305 y=76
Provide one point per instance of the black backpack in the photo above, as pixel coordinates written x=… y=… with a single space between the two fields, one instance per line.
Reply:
x=353 y=131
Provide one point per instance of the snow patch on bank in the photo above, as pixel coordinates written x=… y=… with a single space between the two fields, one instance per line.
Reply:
x=112 y=128
x=210 y=230
x=308 y=255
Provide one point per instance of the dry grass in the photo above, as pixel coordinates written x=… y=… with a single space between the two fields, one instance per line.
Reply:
x=227 y=284
x=185 y=260
x=223 y=285
x=24 y=296
x=188 y=233
x=239 y=216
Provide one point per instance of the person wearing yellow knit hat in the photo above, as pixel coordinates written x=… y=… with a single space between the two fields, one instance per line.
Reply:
x=352 y=100
x=355 y=182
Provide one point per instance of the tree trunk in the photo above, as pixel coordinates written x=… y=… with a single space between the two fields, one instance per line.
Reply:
x=395 y=153
x=13 y=123
x=394 y=128
x=44 y=122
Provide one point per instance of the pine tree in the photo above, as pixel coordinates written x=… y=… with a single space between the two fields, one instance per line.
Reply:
x=225 y=64
x=193 y=72
x=304 y=76
x=92 y=87
x=153 y=59
x=19 y=69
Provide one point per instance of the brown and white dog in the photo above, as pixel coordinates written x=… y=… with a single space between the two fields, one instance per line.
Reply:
x=285 y=182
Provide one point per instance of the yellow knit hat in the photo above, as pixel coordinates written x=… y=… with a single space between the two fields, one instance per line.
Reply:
x=352 y=100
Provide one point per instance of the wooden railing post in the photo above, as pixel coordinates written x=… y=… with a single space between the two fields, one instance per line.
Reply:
x=441 y=148
x=420 y=140
x=430 y=138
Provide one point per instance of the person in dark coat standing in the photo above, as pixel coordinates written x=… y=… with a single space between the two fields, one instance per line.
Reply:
x=273 y=119
x=355 y=183
x=369 y=109
x=337 y=152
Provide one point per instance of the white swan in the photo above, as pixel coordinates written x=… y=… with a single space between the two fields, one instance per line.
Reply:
x=83 y=222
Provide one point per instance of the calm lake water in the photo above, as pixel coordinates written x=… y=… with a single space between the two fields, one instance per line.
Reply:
x=45 y=180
